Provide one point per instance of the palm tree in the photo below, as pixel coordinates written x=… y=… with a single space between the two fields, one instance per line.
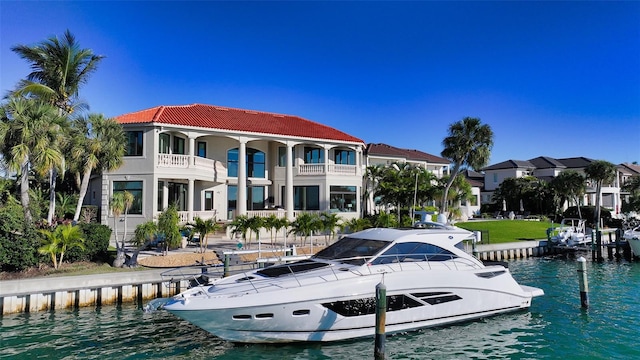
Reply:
x=255 y=223
x=169 y=228
x=468 y=143
x=304 y=225
x=97 y=143
x=204 y=228
x=27 y=137
x=58 y=68
x=270 y=223
x=65 y=236
x=330 y=221
x=117 y=207
x=282 y=223
x=373 y=176
x=66 y=204
x=569 y=185
x=239 y=225
x=601 y=172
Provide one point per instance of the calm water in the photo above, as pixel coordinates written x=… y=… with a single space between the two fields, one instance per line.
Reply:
x=555 y=327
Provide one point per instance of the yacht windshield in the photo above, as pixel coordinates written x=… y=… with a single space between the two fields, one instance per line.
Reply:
x=351 y=250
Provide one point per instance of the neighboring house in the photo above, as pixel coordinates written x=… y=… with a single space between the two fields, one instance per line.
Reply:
x=547 y=168
x=471 y=208
x=213 y=161
x=385 y=155
x=626 y=171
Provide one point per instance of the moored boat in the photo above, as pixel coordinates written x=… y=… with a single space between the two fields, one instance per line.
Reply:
x=571 y=232
x=633 y=237
x=430 y=281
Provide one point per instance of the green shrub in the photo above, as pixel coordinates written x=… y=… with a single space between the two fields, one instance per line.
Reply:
x=19 y=242
x=96 y=243
x=588 y=213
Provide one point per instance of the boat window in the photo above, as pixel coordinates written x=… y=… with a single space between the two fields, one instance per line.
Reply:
x=414 y=251
x=351 y=250
x=292 y=268
x=367 y=306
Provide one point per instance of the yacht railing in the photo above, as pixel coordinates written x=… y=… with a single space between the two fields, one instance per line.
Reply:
x=362 y=266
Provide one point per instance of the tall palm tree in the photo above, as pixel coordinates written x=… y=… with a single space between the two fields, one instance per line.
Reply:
x=468 y=143
x=569 y=185
x=58 y=68
x=97 y=143
x=117 y=208
x=28 y=140
x=373 y=176
x=601 y=172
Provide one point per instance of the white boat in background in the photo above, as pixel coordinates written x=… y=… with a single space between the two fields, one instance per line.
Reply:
x=633 y=237
x=430 y=281
x=570 y=233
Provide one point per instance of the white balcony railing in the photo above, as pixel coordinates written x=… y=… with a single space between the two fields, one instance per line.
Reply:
x=332 y=169
x=173 y=161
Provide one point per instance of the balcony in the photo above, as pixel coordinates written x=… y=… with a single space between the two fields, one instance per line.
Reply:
x=332 y=169
x=177 y=161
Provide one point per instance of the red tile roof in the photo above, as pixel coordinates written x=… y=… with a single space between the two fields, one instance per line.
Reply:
x=409 y=154
x=216 y=117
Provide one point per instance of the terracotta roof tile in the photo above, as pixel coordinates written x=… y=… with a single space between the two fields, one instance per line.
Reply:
x=216 y=117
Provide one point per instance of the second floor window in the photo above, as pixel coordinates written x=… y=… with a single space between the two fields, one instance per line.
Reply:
x=178 y=145
x=313 y=155
x=202 y=149
x=163 y=143
x=344 y=157
x=134 y=143
x=255 y=160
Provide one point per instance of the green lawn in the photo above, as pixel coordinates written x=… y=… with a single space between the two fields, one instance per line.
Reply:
x=502 y=231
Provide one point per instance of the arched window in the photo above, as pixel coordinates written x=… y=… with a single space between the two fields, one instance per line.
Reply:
x=255 y=160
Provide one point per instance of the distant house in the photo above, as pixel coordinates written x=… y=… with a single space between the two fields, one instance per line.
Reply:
x=626 y=171
x=385 y=155
x=219 y=162
x=547 y=168
x=471 y=208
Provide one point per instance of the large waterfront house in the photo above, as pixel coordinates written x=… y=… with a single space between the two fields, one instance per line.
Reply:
x=218 y=162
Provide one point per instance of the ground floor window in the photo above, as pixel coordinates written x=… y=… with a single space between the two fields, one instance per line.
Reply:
x=208 y=200
x=305 y=197
x=133 y=187
x=255 y=197
x=343 y=198
x=178 y=195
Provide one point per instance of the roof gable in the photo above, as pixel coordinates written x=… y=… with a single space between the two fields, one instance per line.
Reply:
x=409 y=154
x=511 y=164
x=216 y=117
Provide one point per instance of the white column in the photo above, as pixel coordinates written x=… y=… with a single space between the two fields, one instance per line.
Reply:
x=192 y=151
x=326 y=161
x=190 y=200
x=165 y=195
x=289 y=183
x=241 y=203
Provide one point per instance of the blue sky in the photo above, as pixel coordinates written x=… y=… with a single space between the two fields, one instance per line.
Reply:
x=559 y=79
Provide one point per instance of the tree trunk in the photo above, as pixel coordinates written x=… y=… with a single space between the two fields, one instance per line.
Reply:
x=53 y=174
x=83 y=192
x=24 y=191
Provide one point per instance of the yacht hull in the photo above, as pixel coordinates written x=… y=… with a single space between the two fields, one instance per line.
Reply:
x=343 y=309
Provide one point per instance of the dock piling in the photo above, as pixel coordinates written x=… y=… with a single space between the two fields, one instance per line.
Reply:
x=381 y=315
x=584 y=283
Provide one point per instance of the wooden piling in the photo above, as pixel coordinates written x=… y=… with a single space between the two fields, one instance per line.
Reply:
x=381 y=315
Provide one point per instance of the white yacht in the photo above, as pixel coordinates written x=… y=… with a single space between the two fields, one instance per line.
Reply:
x=633 y=237
x=430 y=281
